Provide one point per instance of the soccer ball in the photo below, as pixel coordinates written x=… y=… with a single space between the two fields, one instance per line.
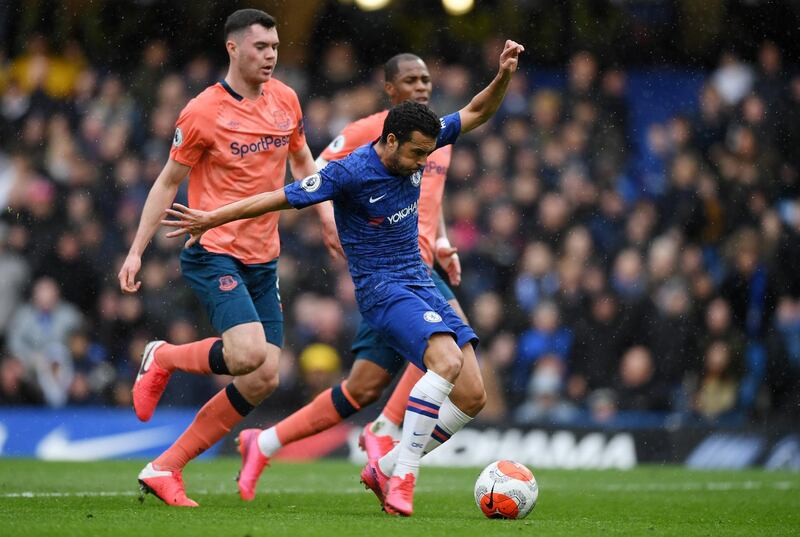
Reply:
x=506 y=489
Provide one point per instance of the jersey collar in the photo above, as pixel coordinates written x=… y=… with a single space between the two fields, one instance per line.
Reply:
x=233 y=93
x=230 y=90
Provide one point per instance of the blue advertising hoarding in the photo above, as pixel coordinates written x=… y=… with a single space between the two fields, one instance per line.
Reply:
x=81 y=434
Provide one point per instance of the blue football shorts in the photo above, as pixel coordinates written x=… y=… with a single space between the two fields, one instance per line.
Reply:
x=369 y=345
x=404 y=321
x=235 y=293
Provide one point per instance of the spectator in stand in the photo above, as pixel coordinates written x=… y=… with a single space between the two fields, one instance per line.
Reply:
x=771 y=80
x=77 y=279
x=93 y=374
x=320 y=367
x=669 y=330
x=537 y=279
x=748 y=288
x=497 y=356
x=151 y=70
x=599 y=341
x=733 y=79
x=638 y=386
x=628 y=278
x=582 y=77
x=719 y=384
x=719 y=327
x=17 y=386
x=783 y=367
x=42 y=325
x=37 y=70
x=681 y=207
x=15 y=276
x=544 y=403
x=338 y=70
x=546 y=337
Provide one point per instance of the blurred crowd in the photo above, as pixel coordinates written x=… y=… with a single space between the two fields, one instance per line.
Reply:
x=599 y=297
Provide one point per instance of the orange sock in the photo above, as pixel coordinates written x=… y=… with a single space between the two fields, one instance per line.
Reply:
x=192 y=357
x=320 y=414
x=213 y=421
x=395 y=409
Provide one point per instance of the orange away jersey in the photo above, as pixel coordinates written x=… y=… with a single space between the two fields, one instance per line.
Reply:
x=370 y=128
x=238 y=147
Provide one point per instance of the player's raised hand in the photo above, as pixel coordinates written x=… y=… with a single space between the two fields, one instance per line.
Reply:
x=127 y=274
x=447 y=257
x=188 y=220
x=509 y=58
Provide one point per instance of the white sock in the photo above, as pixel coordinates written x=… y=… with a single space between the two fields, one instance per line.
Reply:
x=421 y=416
x=268 y=442
x=384 y=426
x=451 y=420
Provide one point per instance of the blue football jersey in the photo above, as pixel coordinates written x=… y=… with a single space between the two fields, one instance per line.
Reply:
x=376 y=216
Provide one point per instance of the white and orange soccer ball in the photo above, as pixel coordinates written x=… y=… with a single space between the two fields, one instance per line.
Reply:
x=506 y=489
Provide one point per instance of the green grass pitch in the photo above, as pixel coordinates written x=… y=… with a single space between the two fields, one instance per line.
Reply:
x=325 y=498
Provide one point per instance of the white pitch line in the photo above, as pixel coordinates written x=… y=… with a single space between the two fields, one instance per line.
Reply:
x=30 y=494
x=721 y=486
x=113 y=494
x=693 y=486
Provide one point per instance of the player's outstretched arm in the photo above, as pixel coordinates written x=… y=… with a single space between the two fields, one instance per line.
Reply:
x=485 y=104
x=196 y=222
x=162 y=193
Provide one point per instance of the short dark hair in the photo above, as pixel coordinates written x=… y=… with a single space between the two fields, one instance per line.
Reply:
x=244 y=18
x=392 y=66
x=410 y=116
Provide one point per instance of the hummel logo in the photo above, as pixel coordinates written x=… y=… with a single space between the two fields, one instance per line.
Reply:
x=373 y=200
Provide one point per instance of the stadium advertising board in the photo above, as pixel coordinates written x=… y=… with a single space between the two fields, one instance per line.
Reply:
x=94 y=433
x=85 y=434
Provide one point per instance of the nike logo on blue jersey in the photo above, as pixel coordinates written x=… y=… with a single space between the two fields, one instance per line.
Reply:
x=373 y=200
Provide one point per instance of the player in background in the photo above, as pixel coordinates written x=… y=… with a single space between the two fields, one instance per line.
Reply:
x=375 y=191
x=376 y=363
x=233 y=140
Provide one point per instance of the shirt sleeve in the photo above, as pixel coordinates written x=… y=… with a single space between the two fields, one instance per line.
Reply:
x=298 y=137
x=326 y=184
x=194 y=133
x=451 y=128
x=351 y=138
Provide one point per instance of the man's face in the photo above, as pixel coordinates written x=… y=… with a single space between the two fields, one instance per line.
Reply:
x=254 y=52
x=410 y=156
x=411 y=83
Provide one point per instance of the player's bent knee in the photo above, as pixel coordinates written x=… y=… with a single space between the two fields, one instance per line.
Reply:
x=443 y=356
x=247 y=359
x=261 y=384
x=447 y=365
